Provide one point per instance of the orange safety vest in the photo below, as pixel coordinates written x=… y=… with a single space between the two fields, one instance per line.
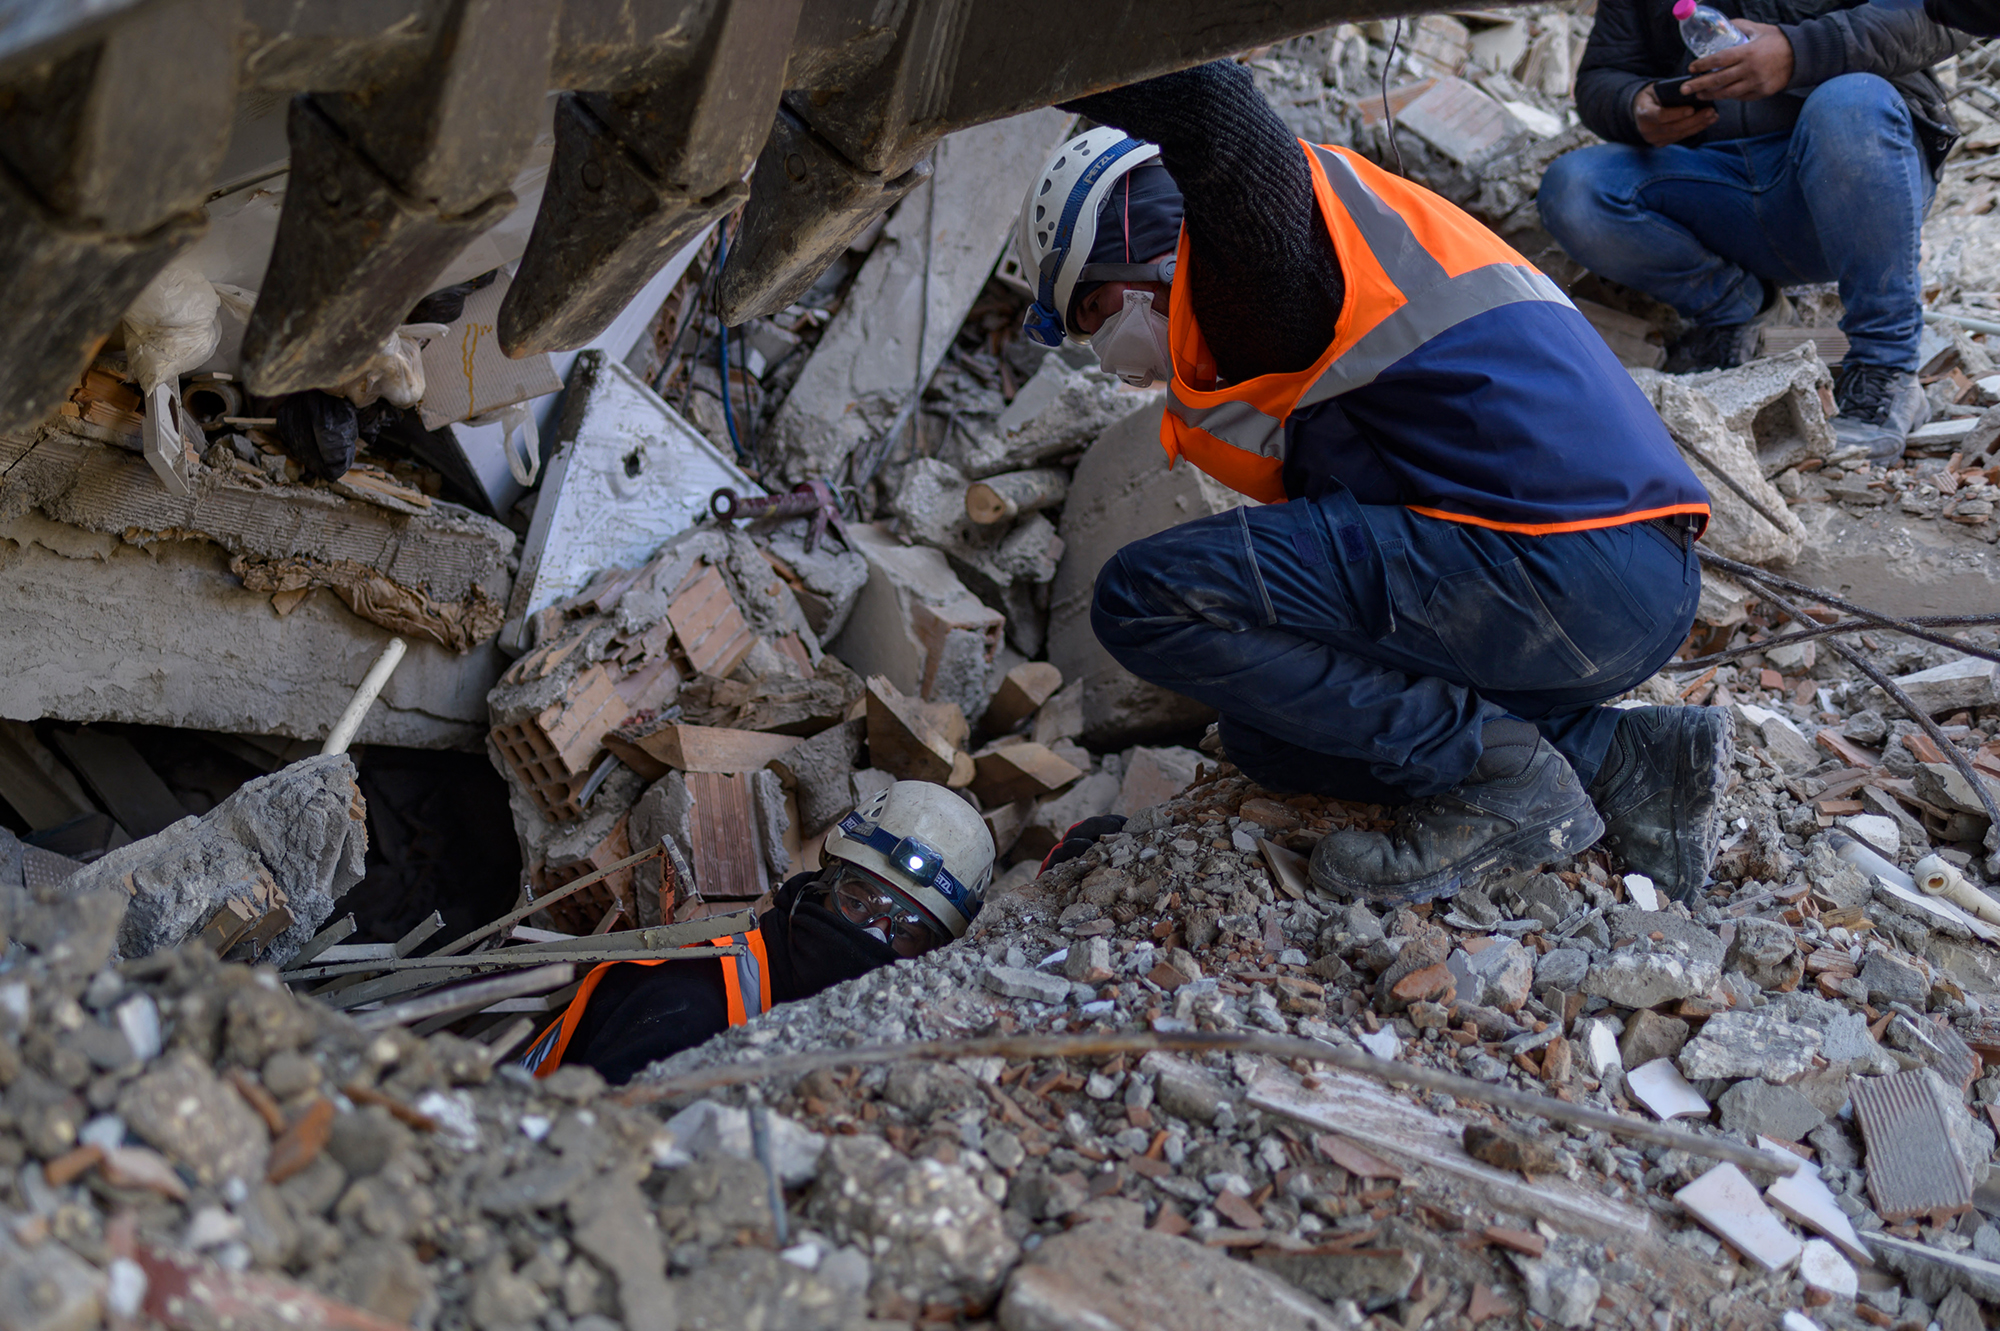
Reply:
x=1415 y=268
x=746 y=984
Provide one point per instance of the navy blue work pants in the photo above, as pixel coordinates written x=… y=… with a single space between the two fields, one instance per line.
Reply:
x=1356 y=650
x=1705 y=228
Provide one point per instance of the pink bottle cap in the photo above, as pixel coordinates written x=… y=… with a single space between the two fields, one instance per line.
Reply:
x=1684 y=9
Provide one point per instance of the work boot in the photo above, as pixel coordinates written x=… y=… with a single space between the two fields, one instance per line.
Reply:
x=1726 y=346
x=1660 y=792
x=1521 y=807
x=1878 y=409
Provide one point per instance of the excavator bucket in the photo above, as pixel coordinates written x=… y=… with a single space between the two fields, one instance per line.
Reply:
x=408 y=125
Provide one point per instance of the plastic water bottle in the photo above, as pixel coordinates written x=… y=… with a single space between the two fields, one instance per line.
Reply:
x=1705 y=30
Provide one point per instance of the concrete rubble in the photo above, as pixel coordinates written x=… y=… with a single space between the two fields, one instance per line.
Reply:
x=194 y=1138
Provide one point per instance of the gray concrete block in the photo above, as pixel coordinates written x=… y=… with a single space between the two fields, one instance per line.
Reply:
x=868 y=362
x=1122 y=491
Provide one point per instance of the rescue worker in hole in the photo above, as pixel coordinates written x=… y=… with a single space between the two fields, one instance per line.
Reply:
x=904 y=874
x=1472 y=528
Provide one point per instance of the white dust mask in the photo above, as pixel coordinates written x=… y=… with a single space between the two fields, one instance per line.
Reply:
x=1132 y=343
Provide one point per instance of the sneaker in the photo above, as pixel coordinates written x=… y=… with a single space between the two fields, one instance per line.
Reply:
x=1726 y=346
x=1878 y=409
x=1521 y=807
x=1660 y=792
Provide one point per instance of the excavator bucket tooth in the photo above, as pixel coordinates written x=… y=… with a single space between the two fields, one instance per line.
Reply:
x=638 y=173
x=109 y=150
x=77 y=281
x=604 y=228
x=807 y=204
x=353 y=254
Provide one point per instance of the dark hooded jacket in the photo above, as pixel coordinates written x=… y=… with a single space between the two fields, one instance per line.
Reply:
x=1981 y=18
x=640 y=1014
x=1636 y=42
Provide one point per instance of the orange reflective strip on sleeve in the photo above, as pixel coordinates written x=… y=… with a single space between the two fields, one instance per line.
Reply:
x=544 y=1057
x=732 y=982
x=546 y=1054
x=1258 y=478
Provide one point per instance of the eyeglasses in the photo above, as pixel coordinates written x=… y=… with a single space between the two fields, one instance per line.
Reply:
x=869 y=902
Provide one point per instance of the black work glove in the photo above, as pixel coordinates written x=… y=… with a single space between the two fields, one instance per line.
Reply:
x=1081 y=837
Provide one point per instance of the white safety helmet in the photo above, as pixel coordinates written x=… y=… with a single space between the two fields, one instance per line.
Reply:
x=1059 y=227
x=927 y=843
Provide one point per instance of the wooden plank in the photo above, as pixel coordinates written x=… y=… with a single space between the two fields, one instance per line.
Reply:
x=470 y=997
x=35 y=783
x=727 y=847
x=686 y=748
x=130 y=790
x=1019 y=772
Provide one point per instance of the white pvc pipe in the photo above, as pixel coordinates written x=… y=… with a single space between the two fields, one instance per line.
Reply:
x=378 y=674
x=1938 y=877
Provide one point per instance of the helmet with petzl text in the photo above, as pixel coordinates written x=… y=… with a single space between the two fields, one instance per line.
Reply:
x=925 y=843
x=1060 y=221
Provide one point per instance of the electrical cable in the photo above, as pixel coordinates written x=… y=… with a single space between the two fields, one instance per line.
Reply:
x=1824 y=630
x=1388 y=111
x=1765 y=585
x=1874 y=617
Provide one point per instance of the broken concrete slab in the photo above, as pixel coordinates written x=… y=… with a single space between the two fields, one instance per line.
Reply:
x=1784 y=403
x=627 y=473
x=1154 y=776
x=1955 y=686
x=1122 y=491
x=1738 y=1044
x=1105 y=1277
x=1059 y=411
x=1698 y=423
x=166 y=634
x=439 y=573
x=1423 y=1142
x=295 y=840
x=916 y=624
x=867 y=363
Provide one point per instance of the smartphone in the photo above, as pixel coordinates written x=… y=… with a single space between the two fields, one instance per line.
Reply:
x=1667 y=92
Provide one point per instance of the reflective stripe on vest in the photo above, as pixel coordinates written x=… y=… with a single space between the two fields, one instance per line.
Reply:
x=1401 y=293
x=746 y=990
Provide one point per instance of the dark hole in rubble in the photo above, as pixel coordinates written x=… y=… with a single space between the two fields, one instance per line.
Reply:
x=432 y=819
x=206 y=404
x=635 y=462
x=431 y=814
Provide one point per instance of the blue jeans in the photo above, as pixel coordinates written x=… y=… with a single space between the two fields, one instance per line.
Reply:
x=1840 y=199
x=1357 y=650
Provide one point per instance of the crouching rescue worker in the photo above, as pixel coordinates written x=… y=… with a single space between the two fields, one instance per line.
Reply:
x=1473 y=529
x=904 y=874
